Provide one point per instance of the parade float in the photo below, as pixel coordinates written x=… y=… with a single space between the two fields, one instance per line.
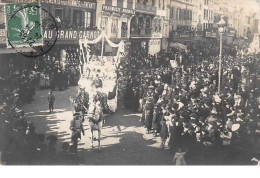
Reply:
x=105 y=67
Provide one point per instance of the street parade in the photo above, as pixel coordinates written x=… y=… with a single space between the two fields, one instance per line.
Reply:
x=101 y=101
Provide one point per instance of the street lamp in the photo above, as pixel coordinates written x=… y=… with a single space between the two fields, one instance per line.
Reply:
x=221 y=25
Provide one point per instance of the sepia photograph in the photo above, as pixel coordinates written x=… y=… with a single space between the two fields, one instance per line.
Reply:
x=130 y=83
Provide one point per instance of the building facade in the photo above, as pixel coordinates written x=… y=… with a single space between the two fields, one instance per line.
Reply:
x=75 y=20
x=113 y=19
x=183 y=19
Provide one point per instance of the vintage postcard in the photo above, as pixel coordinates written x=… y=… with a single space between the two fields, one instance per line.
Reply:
x=129 y=82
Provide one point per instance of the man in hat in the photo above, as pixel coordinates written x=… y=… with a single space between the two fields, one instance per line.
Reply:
x=97 y=82
x=51 y=100
x=76 y=127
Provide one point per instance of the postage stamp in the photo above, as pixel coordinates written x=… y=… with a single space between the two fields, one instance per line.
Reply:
x=24 y=28
x=23 y=25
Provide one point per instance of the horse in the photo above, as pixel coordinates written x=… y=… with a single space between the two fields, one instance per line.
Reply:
x=81 y=102
x=95 y=121
x=102 y=98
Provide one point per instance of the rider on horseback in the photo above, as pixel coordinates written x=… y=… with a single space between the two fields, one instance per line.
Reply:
x=81 y=101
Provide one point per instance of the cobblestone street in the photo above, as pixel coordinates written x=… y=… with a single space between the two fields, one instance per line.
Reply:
x=124 y=141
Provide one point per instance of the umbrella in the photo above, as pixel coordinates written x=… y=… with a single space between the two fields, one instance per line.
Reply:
x=235 y=127
x=179 y=46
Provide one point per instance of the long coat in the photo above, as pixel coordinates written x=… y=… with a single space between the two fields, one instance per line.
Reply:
x=148 y=118
x=156 y=119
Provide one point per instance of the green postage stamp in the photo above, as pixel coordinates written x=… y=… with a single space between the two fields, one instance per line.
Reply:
x=23 y=25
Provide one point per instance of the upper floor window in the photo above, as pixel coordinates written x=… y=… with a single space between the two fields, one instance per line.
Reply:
x=88 y=19
x=103 y=24
x=129 y=4
x=108 y=2
x=114 y=26
x=120 y=3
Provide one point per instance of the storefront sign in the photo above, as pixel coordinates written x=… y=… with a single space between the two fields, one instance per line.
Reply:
x=82 y=4
x=156 y=35
x=214 y=35
x=118 y=9
x=177 y=35
x=211 y=34
x=71 y=34
x=74 y=3
x=63 y=35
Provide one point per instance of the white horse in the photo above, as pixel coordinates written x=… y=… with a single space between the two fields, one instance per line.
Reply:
x=95 y=121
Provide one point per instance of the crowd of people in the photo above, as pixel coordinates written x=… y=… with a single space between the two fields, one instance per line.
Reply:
x=61 y=70
x=21 y=144
x=20 y=141
x=179 y=101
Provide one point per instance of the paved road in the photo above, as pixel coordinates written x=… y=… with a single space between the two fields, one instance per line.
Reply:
x=124 y=141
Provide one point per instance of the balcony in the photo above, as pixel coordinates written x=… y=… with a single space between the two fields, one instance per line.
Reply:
x=141 y=32
x=148 y=9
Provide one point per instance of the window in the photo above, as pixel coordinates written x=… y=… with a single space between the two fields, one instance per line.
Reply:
x=59 y=12
x=103 y=25
x=155 y=25
x=148 y=22
x=129 y=4
x=153 y=3
x=163 y=5
x=120 y=3
x=77 y=18
x=124 y=29
x=181 y=14
x=159 y=25
x=172 y=12
x=88 y=20
x=114 y=26
x=165 y=30
x=178 y=14
x=108 y=2
x=46 y=14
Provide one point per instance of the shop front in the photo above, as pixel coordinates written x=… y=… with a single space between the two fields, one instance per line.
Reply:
x=155 y=43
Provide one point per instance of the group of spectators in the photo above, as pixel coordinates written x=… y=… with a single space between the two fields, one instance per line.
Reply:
x=58 y=71
x=19 y=139
x=21 y=144
x=182 y=104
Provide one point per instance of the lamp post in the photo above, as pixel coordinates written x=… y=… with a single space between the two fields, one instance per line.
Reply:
x=221 y=25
